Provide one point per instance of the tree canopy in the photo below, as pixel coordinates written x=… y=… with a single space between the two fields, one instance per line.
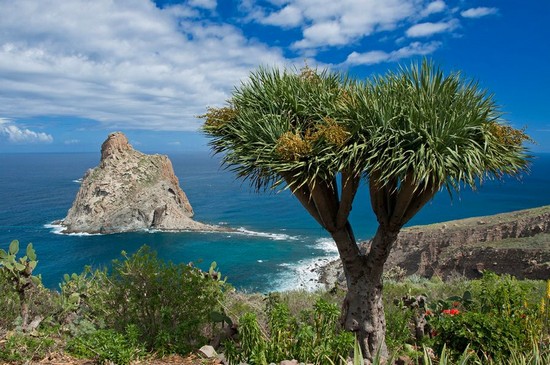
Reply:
x=408 y=134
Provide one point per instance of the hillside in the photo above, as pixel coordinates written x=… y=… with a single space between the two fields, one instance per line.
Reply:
x=516 y=243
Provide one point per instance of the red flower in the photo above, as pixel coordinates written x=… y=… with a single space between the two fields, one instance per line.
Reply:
x=428 y=312
x=451 y=312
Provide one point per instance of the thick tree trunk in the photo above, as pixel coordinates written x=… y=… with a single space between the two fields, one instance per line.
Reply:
x=363 y=308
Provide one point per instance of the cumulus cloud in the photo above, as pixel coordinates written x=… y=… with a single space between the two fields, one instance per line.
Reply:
x=124 y=63
x=17 y=134
x=429 y=29
x=333 y=23
x=130 y=64
x=478 y=12
x=289 y=16
x=433 y=8
x=374 y=57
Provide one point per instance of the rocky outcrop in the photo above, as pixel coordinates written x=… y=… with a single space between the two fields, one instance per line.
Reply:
x=516 y=243
x=468 y=246
x=130 y=191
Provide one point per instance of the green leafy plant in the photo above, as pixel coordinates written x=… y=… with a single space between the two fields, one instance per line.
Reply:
x=22 y=347
x=108 y=346
x=314 y=336
x=170 y=304
x=19 y=272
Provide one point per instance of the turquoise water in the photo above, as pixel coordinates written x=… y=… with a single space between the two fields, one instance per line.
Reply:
x=277 y=247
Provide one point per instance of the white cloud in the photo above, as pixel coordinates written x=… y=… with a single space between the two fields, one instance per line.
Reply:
x=71 y=141
x=428 y=29
x=434 y=7
x=374 y=57
x=16 y=134
x=478 y=12
x=333 y=23
x=289 y=16
x=126 y=64
x=206 y=4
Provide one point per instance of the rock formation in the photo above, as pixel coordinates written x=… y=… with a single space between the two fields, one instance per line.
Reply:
x=130 y=191
x=516 y=243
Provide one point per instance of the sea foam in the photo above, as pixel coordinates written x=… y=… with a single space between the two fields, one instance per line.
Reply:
x=58 y=229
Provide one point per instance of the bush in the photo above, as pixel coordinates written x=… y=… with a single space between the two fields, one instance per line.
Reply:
x=108 y=346
x=169 y=304
x=20 y=347
x=314 y=336
x=493 y=317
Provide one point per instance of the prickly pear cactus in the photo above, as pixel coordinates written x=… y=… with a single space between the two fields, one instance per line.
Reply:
x=19 y=272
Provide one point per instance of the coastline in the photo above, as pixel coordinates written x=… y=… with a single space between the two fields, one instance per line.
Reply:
x=517 y=243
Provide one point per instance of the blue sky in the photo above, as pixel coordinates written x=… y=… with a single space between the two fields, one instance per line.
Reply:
x=73 y=71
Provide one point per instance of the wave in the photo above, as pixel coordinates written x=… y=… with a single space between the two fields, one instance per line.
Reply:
x=273 y=236
x=303 y=275
x=78 y=181
x=327 y=245
x=58 y=229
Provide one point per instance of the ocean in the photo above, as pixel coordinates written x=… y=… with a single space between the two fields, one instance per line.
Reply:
x=276 y=248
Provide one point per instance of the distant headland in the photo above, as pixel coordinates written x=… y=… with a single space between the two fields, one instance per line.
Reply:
x=515 y=243
x=130 y=191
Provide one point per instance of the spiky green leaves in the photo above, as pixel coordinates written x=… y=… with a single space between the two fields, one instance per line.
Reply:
x=436 y=129
x=417 y=123
x=280 y=122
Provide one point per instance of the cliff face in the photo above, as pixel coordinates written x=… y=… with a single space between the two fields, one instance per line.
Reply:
x=130 y=191
x=516 y=243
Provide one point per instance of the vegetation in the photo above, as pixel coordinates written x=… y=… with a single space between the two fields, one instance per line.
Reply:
x=408 y=134
x=144 y=306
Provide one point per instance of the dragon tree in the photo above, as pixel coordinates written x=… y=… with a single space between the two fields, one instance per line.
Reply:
x=408 y=134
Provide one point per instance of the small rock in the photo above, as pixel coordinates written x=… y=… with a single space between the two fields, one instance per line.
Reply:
x=289 y=362
x=208 y=351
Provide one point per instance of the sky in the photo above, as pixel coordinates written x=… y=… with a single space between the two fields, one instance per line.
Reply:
x=73 y=71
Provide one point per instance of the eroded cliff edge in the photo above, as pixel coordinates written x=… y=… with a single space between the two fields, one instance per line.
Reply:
x=130 y=191
x=516 y=243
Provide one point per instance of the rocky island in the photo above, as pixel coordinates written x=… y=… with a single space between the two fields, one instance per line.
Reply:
x=130 y=191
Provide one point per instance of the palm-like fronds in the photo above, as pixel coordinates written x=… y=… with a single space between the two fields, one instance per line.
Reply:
x=434 y=128
x=281 y=122
x=414 y=124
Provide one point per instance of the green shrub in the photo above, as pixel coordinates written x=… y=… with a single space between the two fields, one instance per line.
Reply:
x=493 y=317
x=84 y=301
x=108 y=346
x=21 y=347
x=170 y=304
x=313 y=336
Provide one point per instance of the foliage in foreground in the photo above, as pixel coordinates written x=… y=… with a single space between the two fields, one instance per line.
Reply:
x=141 y=304
x=493 y=320
x=313 y=336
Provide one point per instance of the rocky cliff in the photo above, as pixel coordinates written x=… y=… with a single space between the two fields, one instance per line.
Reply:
x=516 y=243
x=130 y=191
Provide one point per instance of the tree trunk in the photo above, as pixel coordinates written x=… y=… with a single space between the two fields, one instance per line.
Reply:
x=24 y=309
x=363 y=308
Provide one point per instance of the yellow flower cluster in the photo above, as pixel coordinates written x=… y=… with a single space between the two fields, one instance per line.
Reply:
x=292 y=147
x=218 y=117
x=507 y=135
x=332 y=132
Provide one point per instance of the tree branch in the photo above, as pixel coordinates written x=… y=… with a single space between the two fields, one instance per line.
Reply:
x=419 y=200
x=350 y=184
x=403 y=199
x=325 y=198
x=303 y=194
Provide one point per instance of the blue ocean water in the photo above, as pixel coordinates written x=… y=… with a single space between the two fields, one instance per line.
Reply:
x=277 y=248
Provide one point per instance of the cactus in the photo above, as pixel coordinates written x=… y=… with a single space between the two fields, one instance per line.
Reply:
x=19 y=272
